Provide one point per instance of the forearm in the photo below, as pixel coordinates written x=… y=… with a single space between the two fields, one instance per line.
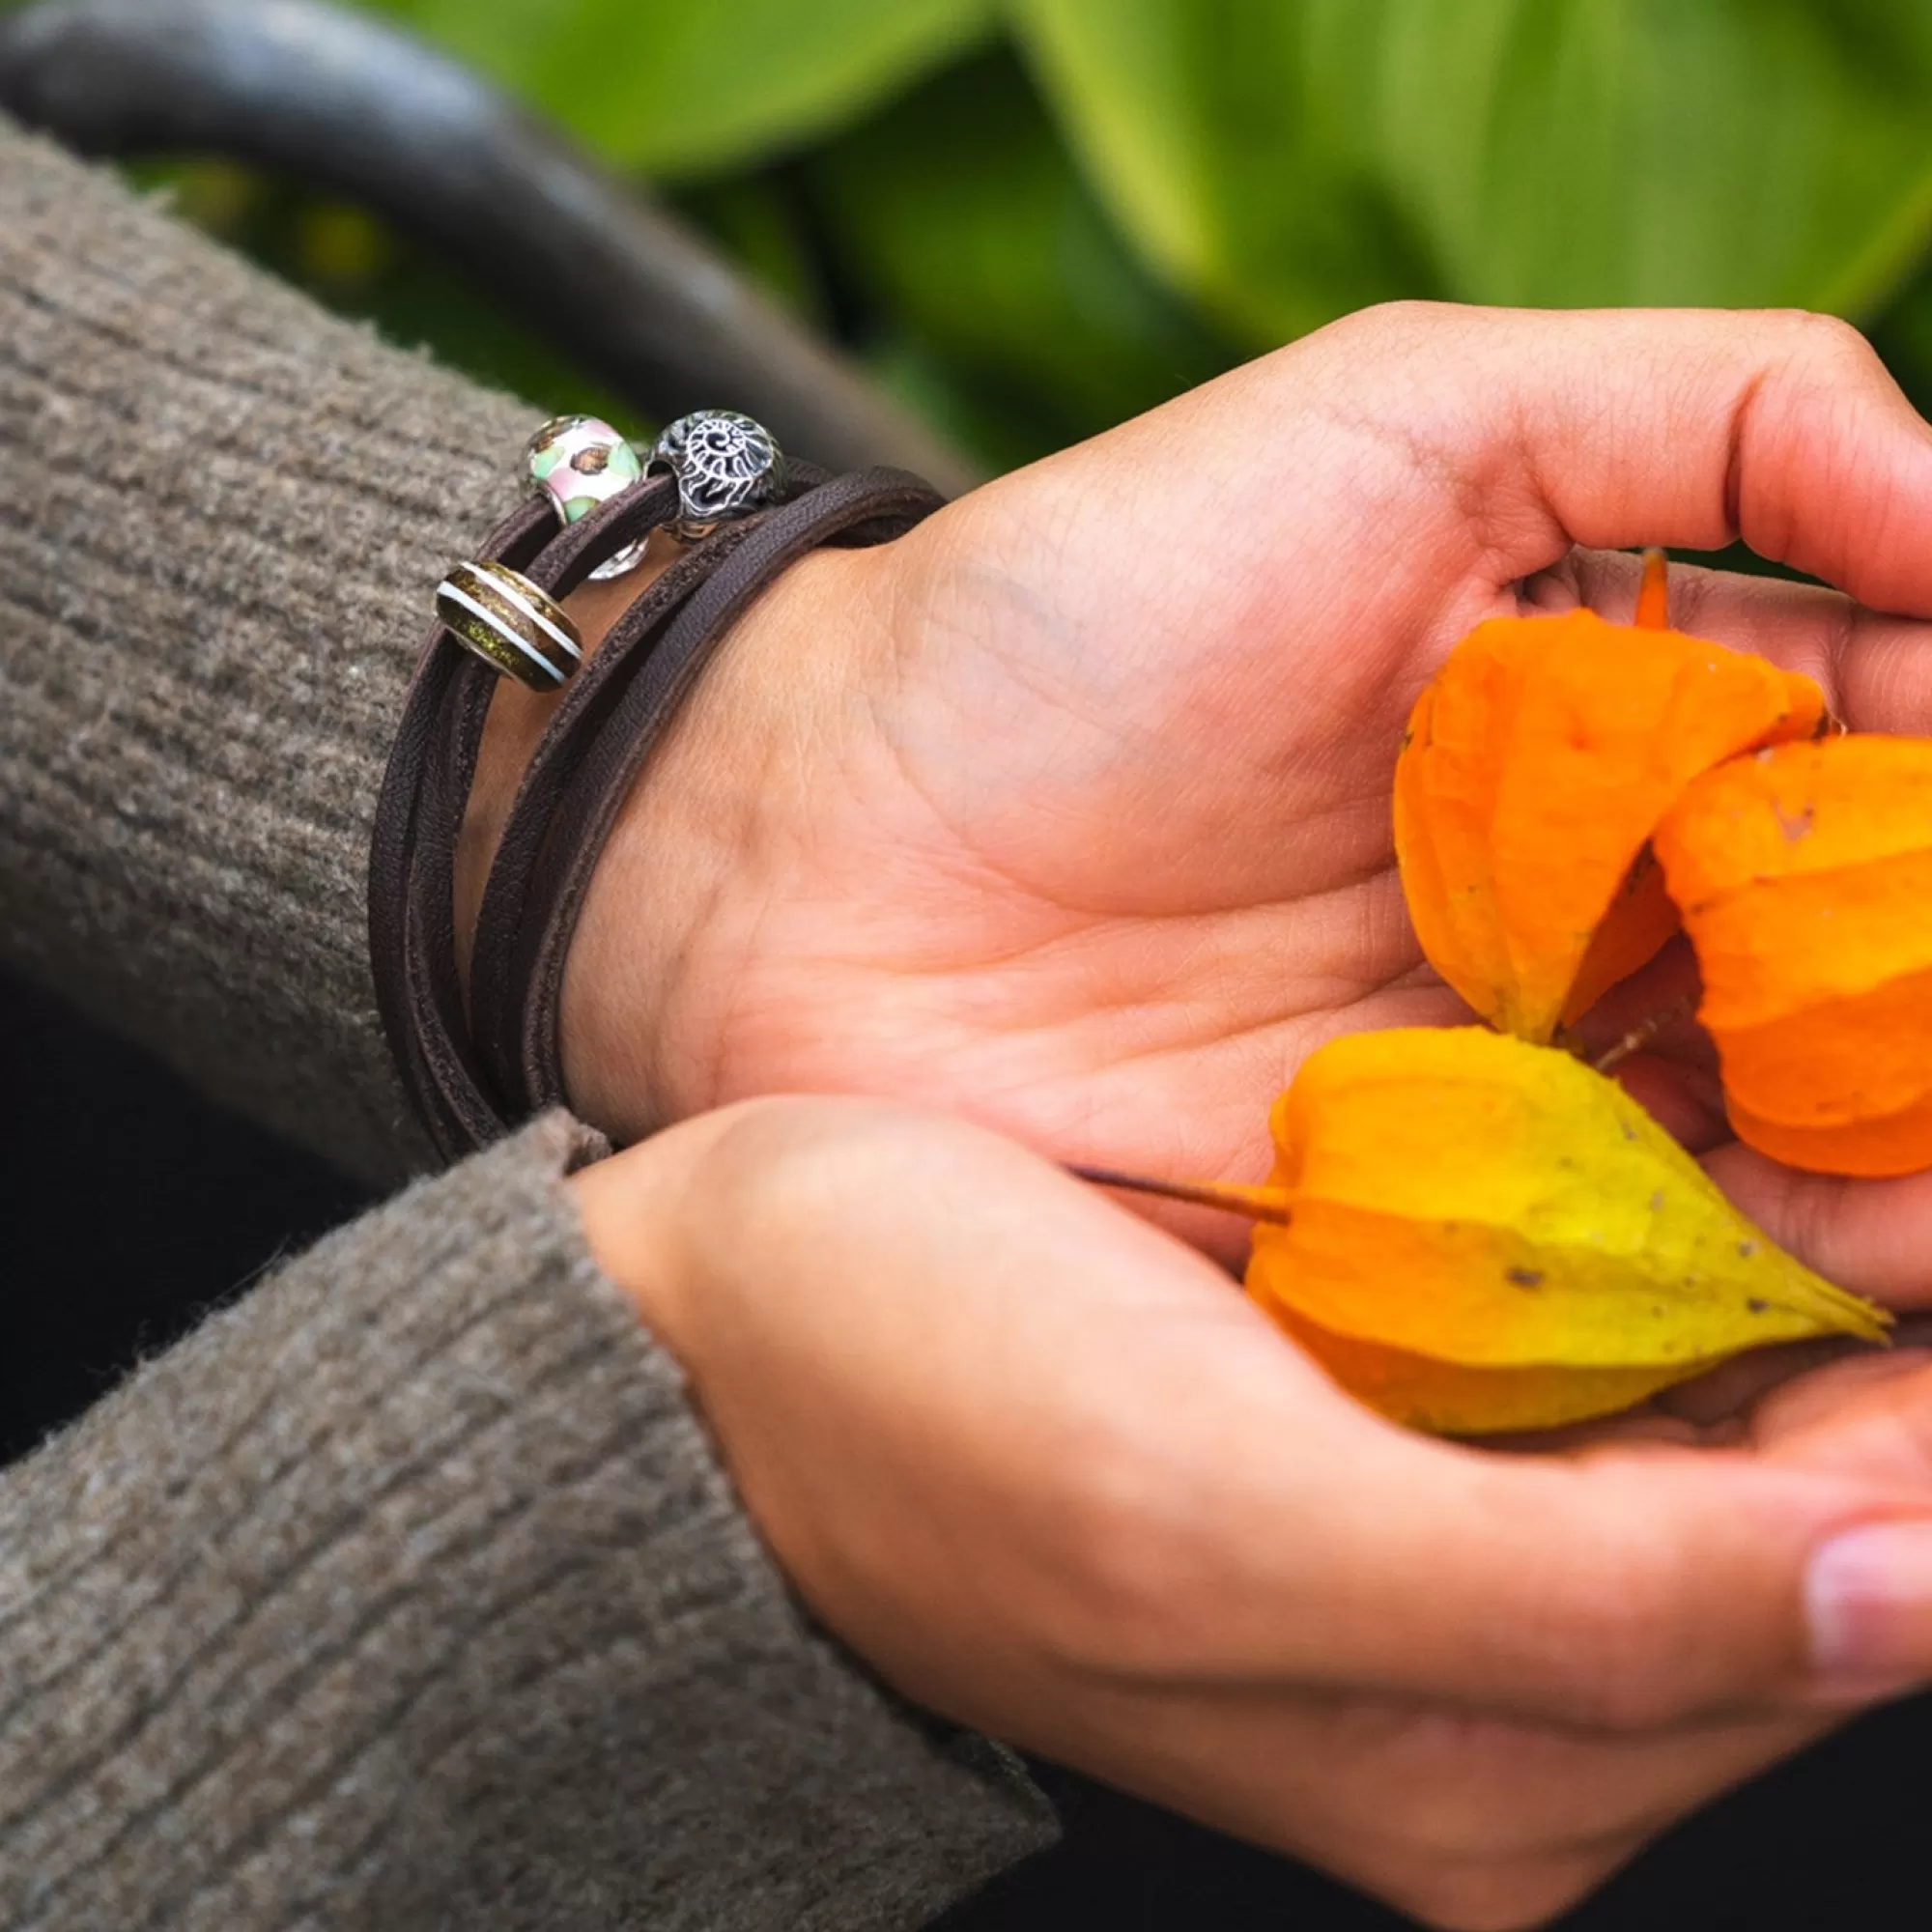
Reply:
x=412 y=1582
x=224 y=510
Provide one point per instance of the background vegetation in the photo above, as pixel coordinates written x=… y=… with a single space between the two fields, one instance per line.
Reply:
x=1034 y=217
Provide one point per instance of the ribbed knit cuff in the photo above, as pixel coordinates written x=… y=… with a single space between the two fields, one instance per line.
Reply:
x=409 y=1592
x=225 y=514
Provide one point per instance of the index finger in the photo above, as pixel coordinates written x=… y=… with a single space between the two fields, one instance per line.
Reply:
x=1690 y=428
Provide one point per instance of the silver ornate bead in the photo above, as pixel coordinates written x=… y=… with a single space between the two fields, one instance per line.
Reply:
x=578 y=463
x=725 y=465
x=511 y=624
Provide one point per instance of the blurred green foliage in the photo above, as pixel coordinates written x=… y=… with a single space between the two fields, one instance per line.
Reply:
x=1287 y=159
x=684 y=91
x=1034 y=217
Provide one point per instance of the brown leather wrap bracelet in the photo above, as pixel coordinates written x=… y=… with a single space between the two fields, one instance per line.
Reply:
x=420 y=816
x=470 y=1074
x=570 y=800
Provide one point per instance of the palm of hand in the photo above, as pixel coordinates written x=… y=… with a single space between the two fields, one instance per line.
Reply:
x=1105 y=849
x=1085 y=832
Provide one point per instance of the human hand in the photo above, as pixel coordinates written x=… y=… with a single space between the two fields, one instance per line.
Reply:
x=1069 y=811
x=1054 y=1477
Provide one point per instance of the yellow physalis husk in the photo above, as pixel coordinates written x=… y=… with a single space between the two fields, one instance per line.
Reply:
x=1484 y=1235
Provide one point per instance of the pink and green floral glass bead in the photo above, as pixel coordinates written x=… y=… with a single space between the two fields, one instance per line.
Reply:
x=579 y=461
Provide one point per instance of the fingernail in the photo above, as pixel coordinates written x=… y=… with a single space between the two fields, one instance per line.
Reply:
x=1869 y=1598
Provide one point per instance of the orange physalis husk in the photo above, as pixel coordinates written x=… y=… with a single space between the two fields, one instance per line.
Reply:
x=1536 y=763
x=1806 y=879
x=1483 y=1234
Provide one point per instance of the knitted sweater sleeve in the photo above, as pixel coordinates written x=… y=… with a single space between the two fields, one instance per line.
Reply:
x=221 y=514
x=408 y=1594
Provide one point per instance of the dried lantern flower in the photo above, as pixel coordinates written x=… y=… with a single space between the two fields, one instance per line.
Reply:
x=1804 y=875
x=1474 y=1234
x=1536 y=763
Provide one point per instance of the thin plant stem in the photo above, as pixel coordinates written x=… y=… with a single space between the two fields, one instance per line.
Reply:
x=1645 y=1031
x=1255 y=1204
x=1653 y=597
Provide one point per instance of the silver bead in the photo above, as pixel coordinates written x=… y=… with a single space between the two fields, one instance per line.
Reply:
x=725 y=465
x=511 y=624
x=578 y=463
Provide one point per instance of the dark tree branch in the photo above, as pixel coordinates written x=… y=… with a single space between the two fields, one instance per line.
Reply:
x=341 y=102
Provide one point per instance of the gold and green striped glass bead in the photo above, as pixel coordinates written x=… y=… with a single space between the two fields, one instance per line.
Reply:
x=511 y=624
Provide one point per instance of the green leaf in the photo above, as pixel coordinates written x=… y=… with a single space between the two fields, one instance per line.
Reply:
x=684 y=89
x=989 y=268
x=1285 y=160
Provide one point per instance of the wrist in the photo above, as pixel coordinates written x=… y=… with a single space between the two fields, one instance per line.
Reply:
x=704 y=841
x=703 y=833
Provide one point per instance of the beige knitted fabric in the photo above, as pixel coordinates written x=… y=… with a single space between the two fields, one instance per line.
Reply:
x=408 y=1594
x=220 y=513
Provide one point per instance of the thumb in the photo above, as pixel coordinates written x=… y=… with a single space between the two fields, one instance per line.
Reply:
x=1628 y=1589
x=1638 y=1590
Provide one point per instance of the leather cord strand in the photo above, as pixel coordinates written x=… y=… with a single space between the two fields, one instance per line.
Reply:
x=419 y=813
x=393 y=838
x=464 y=1112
